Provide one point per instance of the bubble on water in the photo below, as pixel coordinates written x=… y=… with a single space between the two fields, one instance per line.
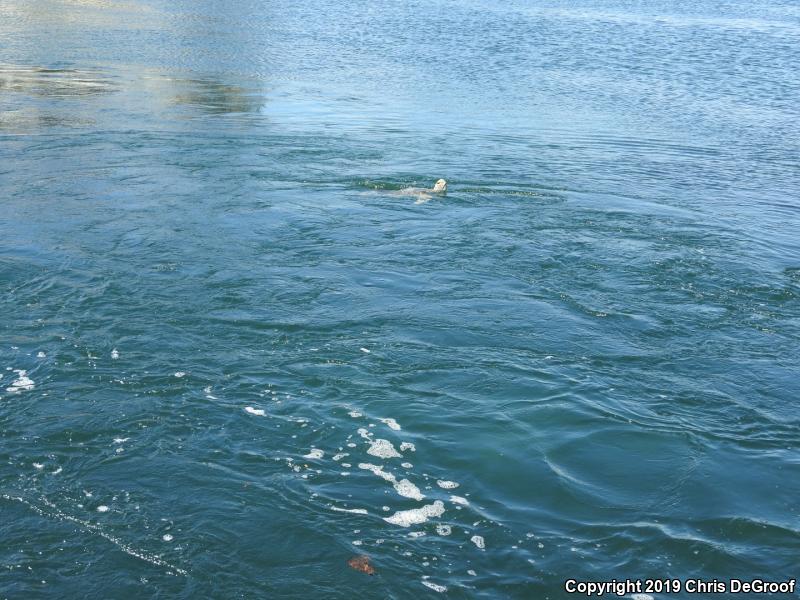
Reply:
x=355 y=511
x=415 y=516
x=391 y=423
x=315 y=453
x=434 y=586
x=255 y=411
x=167 y=537
x=444 y=529
x=478 y=541
x=407 y=446
x=38 y=466
x=407 y=465
x=403 y=487
x=114 y=354
x=22 y=383
x=53 y=511
x=383 y=449
x=446 y=485
x=408 y=490
x=102 y=508
x=180 y=374
x=471 y=572
x=41 y=354
x=377 y=471
x=355 y=414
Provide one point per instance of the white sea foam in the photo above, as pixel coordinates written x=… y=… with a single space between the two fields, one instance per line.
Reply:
x=121 y=440
x=478 y=541
x=102 y=508
x=41 y=354
x=415 y=516
x=180 y=374
x=365 y=350
x=355 y=511
x=377 y=471
x=408 y=490
x=391 y=423
x=38 y=466
x=340 y=456
x=446 y=485
x=435 y=586
x=167 y=537
x=471 y=572
x=403 y=487
x=355 y=414
x=407 y=446
x=407 y=465
x=115 y=354
x=255 y=411
x=383 y=449
x=444 y=529
x=22 y=383
x=459 y=500
x=314 y=453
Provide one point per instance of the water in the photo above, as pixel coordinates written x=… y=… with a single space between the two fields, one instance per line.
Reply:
x=211 y=287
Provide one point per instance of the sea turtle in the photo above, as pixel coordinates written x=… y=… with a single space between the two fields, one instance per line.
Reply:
x=424 y=194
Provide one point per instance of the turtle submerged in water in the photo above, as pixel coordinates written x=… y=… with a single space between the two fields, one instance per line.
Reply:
x=425 y=194
x=440 y=187
x=361 y=564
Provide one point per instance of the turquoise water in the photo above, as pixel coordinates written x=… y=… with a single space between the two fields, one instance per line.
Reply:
x=221 y=304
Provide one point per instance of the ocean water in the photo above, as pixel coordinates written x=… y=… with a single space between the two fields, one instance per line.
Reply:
x=233 y=357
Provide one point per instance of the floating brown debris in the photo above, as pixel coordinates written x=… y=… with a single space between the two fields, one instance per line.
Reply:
x=361 y=564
